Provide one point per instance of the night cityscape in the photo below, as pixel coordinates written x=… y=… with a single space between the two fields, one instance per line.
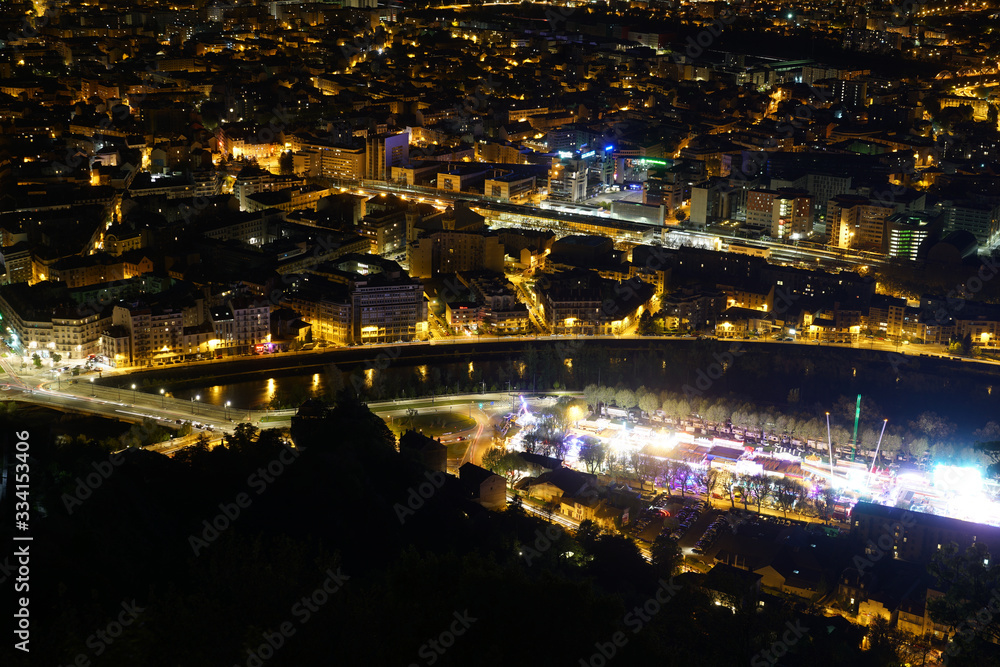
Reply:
x=377 y=332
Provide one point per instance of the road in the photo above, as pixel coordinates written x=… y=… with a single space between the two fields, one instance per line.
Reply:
x=112 y=401
x=127 y=404
x=566 y=522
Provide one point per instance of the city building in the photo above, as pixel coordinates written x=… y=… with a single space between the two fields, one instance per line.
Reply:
x=908 y=235
x=856 y=222
x=780 y=214
x=385 y=151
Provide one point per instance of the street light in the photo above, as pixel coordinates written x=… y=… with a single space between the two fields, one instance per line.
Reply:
x=163 y=399
x=93 y=389
x=59 y=380
x=133 y=393
x=196 y=398
x=228 y=403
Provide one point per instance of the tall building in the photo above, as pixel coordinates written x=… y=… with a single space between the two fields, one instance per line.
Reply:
x=981 y=220
x=360 y=299
x=43 y=319
x=906 y=233
x=153 y=330
x=453 y=251
x=856 y=222
x=886 y=315
x=385 y=151
x=327 y=159
x=568 y=180
x=386 y=309
x=782 y=214
x=251 y=321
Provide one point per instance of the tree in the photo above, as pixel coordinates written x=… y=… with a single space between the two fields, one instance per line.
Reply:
x=828 y=500
x=786 y=492
x=194 y=455
x=531 y=442
x=607 y=395
x=682 y=475
x=242 y=438
x=933 y=426
x=592 y=453
x=592 y=394
x=666 y=555
x=649 y=403
x=644 y=466
x=991 y=452
x=970 y=578
x=625 y=398
x=647 y=325
x=713 y=481
x=967 y=344
x=493 y=459
x=917 y=447
x=587 y=533
x=513 y=467
x=892 y=443
x=37 y=360
x=728 y=482
x=885 y=643
x=717 y=413
x=56 y=357
x=286 y=163
x=989 y=432
x=755 y=490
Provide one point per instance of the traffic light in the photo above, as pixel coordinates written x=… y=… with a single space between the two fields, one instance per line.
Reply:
x=480 y=406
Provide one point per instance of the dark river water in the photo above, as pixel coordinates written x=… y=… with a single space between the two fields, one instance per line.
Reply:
x=423 y=379
x=804 y=382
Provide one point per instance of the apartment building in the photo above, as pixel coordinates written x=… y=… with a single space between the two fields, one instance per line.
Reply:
x=781 y=214
x=59 y=326
x=856 y=222
x=386 y=309
x=154 y=331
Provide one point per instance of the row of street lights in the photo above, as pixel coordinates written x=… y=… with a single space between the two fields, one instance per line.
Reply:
x=163 y=396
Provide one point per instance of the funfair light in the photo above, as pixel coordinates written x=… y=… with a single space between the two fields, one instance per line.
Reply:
x=960 y=480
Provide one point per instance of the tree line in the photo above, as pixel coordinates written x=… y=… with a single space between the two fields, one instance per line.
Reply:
x=929 y=432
